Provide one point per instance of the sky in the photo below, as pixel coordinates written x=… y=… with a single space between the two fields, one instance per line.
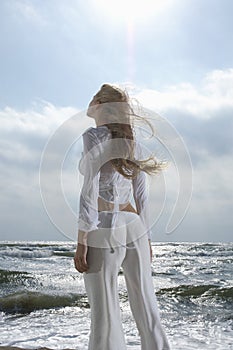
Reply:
x=176 y=59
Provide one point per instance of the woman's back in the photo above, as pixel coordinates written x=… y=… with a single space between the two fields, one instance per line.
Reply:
x=102 y=181
x=111 y=183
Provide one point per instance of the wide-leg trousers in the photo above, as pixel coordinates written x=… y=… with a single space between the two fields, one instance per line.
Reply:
x=102 y=289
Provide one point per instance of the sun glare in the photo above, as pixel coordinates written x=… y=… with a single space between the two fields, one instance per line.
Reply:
x=132 y=10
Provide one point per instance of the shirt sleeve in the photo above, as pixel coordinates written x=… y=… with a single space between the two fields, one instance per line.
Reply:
x=89 y=167
x=140 y=195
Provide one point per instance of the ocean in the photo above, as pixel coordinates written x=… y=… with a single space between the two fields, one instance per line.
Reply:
x=43 y=302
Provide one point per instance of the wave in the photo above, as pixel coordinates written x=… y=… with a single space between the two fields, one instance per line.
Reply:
x=31 y=250
x=35 y=243
x=20 y=253
x=7 y=276
x=27 y=301
x=67 y=254
x=208 y=291
x=31 y=253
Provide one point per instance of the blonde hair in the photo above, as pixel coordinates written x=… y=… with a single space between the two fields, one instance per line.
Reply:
x=120 y=113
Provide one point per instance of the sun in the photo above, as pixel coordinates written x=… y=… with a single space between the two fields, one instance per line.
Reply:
x=132 y=10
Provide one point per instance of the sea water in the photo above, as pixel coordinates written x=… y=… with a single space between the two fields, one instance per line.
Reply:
x=43 y=302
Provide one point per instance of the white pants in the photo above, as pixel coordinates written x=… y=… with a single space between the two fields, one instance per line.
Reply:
x=102 y=291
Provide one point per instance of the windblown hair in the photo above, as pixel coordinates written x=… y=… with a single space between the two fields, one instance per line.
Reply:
x=121 y=115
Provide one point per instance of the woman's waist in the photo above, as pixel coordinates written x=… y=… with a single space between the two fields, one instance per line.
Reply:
x=109 y=206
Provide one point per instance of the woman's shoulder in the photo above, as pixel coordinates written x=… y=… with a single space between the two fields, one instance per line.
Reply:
x=138 y=149
x=89 y=130
x=98 y=131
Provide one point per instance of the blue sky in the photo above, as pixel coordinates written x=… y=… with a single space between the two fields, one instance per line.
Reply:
x=176 y=56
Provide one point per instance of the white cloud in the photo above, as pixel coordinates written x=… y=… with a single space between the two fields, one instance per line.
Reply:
x=25 y=133
x=215 y=93
x=23 y=137
x=42 y=114
x=219 y=83
x=29 y=12
x=203 y=117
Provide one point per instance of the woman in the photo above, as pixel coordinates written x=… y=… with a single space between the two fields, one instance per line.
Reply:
x=111 y=232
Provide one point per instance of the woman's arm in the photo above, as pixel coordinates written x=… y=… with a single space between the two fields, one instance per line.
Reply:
x=141 y=197
x=88 y=204
x=141 y=200
x=89 y=167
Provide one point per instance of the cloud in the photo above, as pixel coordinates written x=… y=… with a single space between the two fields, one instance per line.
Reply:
x=203 y=118
x=25 y=10
x=23 y=137
x=24 y=133
x=202 y=115
x=214 y=94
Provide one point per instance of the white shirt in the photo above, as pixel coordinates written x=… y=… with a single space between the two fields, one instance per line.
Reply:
x=102 y=180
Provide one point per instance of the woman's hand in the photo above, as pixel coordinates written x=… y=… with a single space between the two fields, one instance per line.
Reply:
x=80 y=258
x=151 y=252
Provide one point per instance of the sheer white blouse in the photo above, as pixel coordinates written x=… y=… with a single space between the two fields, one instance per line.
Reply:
x=102 y=180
